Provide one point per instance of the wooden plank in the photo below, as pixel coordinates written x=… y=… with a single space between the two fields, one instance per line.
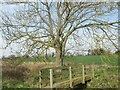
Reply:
x=83 y=74
x=51 y=78
x=55 y=68
x=75 y=81
x=40 y=79
x=78 y=80
x=70 y=76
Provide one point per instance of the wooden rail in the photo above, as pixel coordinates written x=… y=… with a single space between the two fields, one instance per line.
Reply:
x=65 y=77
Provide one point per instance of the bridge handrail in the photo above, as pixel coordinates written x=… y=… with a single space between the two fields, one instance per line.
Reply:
x=70 y=77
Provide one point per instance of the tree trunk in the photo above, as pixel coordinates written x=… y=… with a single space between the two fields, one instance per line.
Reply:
x=59 y=57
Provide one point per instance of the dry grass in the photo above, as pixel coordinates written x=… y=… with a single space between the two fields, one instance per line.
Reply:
x=20 y=71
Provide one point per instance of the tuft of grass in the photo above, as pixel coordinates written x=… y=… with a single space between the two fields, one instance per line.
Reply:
x=16 y=84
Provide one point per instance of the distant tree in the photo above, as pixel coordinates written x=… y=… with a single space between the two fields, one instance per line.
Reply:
x=26 y=56
x=3 y=57
x=89 y=52
x=53 y=54
x=11 y=57
x=117 y=52
x=68 y=54
x=100 y=51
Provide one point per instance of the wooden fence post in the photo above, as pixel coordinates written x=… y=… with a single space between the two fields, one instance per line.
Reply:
x=70 y=76
x=93 y=73
x=51 y=78
x=83 y=74
x=40 y=79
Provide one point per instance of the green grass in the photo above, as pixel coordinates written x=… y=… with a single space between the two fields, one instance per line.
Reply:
x=105 y=77
x=111 y=59
x=50 y=59
x=98 y=59
x=16 y=84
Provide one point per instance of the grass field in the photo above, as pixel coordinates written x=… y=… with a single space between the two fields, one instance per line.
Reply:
x=111 y=59
x=98 y=59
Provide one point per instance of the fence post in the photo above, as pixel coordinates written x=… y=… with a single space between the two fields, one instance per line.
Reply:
x=70 y=76
x=93 y=73
x=51 y=78
x=40 y=79
x=83 y=74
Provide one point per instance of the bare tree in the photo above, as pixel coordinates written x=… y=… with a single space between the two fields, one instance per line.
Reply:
x=41 y=25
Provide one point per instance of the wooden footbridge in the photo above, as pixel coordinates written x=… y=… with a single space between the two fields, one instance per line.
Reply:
x=64 y=77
